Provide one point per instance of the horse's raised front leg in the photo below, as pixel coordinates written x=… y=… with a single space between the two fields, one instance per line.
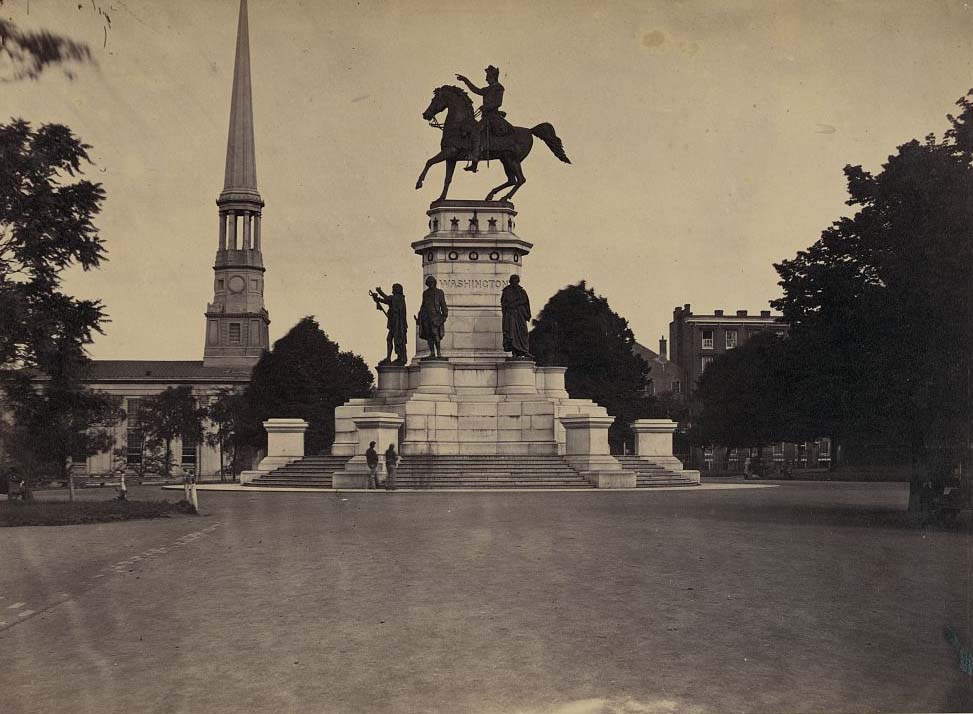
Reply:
x=450 y=167
x=434 y=160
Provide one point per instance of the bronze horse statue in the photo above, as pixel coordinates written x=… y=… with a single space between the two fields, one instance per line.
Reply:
x=460 y=123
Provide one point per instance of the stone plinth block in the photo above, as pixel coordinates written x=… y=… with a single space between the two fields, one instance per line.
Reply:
x=380 y=427
x=435 y=377
x=550 y=381
x=653 y=437
x=517 y=377
x=392 y=379
x=285 y=443
x=586 y=450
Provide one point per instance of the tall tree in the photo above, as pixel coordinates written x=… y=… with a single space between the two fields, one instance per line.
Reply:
x=227 y=413
x=744 y=397
x=56 y=418
x=306 y=376
x=577 y=329
x=46 y=226
x=172 y=413
x=885 y=300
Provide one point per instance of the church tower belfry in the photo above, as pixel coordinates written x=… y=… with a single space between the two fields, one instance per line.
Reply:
x=237 y=321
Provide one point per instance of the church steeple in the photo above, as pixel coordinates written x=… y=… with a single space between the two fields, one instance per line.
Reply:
x=241 y=168
x=237 y=321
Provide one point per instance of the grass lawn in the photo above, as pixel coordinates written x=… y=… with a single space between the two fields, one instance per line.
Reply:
x=63 y=513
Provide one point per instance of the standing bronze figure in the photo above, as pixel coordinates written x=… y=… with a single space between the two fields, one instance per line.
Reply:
x=493 y=138
x=515 y=308
x=432 y=317
x=398 y=322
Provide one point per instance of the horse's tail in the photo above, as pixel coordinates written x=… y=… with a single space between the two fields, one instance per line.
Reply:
x=545 y=132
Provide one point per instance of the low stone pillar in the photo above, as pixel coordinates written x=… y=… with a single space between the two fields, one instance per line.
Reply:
x=392 y=379
x=435 y=377
x=653 y=441
x=550 y=380
x=586 y=450
x=653 y=437
x=517 y=376
x=383 y=429
x=285 y=443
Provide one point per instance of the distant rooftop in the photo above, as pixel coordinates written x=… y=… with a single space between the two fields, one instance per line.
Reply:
x=128 y=370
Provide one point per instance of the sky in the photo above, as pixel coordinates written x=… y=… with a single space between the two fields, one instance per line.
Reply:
x=707 y=142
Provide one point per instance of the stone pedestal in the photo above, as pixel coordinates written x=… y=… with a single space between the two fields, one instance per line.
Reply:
x=285 y=443
x=587 y=451
x=550 y=381
x=653 y=437
x=380 y=427
x=471 y=249
x=435 y=376
x=653 y=440
x=477 y=402
x=392 y=380
x=517 y=376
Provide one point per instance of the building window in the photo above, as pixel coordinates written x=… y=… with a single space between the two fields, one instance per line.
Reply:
x=731 y=339
x=779 y=451
x=676 y=387
x=707 y=339
x=235 y=333
x=708 y=457
x=134 y=437
x=188 y=452
x=220 y=285
x=79 y=451
x=705 y=362
x=824 y=450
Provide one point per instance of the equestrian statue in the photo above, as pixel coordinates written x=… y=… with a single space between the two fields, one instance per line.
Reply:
x=493 y=137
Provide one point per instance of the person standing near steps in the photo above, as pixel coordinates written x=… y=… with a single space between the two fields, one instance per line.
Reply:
x=371 y=458
x=391 y=464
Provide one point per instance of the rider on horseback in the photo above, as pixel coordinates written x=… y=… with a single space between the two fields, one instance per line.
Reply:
x=492 y=122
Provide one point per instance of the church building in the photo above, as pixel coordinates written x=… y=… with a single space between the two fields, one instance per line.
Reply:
x=236 y=321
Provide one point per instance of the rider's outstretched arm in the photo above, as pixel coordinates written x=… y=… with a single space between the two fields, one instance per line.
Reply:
x=468 y=83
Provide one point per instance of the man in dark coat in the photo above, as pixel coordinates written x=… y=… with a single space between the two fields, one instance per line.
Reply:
x=432 y=317
x=397 y=323
x=391 y=465
x=371 y=458
x=515 y=308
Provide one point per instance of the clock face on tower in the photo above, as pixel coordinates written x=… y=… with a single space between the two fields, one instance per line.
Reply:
x=237 y=284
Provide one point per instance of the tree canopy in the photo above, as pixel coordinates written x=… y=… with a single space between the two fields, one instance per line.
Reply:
x=577 y=329
x=46 y=226
x=306 y=376
x=882 y=304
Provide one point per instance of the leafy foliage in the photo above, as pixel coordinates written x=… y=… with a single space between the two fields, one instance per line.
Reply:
x=227 y=413
x=740 y=397
x=46 y=226
x=172 y=413
x=306 y=376
x=883 y=302
x=577 y=329
x=56 y=417
x=28 y=54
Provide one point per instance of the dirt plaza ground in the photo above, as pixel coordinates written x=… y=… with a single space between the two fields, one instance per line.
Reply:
x=803 y=597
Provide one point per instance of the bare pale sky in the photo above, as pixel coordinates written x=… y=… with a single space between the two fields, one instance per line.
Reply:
x=707 y=142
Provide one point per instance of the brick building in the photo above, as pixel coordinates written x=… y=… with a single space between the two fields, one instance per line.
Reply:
x=697 y=339
x=664 y=376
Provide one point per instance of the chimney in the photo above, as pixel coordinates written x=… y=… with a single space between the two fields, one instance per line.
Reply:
x=741 y=313
x=765 y=313
x=662 y=348
x=718 y=313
